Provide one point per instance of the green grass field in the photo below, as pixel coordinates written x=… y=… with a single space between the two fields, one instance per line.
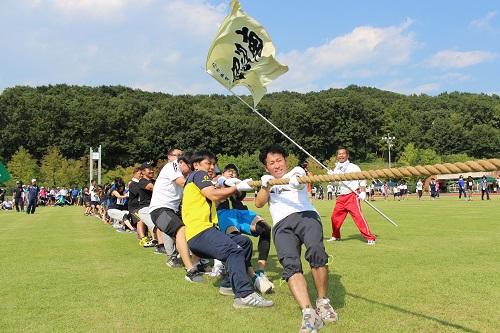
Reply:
x=438 y=272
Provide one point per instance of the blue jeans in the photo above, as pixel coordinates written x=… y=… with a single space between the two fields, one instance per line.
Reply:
x=234 y=250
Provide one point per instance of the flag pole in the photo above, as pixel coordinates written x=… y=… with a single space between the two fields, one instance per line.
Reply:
x=308 y=154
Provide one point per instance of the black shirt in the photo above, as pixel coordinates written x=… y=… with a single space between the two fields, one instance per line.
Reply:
x=16 y=193
x=233 y=202
x=133 y=196
x=144 y=194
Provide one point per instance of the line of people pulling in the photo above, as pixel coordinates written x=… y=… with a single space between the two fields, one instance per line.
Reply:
x=198 y=213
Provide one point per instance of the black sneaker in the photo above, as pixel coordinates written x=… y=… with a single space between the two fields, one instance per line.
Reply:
x=160 y=249
x=204 y=266
x=194 y=276
x=173 y=261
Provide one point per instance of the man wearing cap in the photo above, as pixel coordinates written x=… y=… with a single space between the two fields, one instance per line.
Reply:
x=17 y=194
x=33 y=190
x=234 y=217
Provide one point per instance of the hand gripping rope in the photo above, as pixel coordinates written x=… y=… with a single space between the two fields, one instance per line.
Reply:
x=411 y=171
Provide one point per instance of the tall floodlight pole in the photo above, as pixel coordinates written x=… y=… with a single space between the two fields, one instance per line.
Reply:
x=390 y=143
x=99 y=166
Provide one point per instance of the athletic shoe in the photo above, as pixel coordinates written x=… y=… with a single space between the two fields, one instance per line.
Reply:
x=370 y=242
x=120 y=230
x=194 y=276
x=311 y=321
x=253 y=300
x=143 y=241
x=203 y=266
x=148 y=243
x=325 y=310
x=160 y=249
x=262 y=284
x=333 y=239
x=173 y=261
x=226 y=291
x=217 y=271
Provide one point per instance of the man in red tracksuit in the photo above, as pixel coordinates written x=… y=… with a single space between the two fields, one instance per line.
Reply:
x=348 y=201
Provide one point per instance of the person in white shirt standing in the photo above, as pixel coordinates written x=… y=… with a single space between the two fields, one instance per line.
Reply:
x=348 y=201
x=296 y=222
x=419 y=188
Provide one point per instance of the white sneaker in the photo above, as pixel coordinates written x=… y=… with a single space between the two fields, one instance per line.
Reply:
x=333 y=239
x=217 y=271
x=253 y=300
x=325 y=310
x=311 y=321
x=370 y=242
x=263 y=285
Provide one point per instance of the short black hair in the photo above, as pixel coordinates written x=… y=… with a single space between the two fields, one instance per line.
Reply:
x=186 y=158
x=272 y=149
x=202 y=155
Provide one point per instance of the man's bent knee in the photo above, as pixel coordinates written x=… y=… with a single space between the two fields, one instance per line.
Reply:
x=316 y=255
x=291 y=266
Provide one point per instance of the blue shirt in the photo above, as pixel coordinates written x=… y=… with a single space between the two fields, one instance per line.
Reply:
x=461 y=183
x=33 y=192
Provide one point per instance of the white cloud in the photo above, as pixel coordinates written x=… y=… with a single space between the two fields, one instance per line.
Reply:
x=201 y=17
x=93 y=8
x=364 y=52
x=459 y=59
x=484 y=23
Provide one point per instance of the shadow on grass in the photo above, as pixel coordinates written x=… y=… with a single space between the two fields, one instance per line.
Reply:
x=336 y=290
x=349 y=238
x=397 y=308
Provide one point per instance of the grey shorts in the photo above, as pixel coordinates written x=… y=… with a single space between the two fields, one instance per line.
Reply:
x=166 y=220
x=290 y=233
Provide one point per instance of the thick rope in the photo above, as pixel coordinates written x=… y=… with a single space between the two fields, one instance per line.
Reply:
x=419 y=170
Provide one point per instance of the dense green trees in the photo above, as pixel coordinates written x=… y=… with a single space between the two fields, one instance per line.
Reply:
x=133 y=126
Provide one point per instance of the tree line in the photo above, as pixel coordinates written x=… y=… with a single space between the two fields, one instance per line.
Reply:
x=134 y=126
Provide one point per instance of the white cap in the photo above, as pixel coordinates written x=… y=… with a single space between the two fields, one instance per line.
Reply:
x=33 y=180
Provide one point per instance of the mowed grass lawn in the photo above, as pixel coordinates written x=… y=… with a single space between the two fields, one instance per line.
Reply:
x=438 y=272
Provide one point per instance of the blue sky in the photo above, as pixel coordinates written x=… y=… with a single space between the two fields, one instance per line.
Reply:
x=161 y=45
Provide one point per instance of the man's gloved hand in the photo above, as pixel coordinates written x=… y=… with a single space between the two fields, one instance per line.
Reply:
x=232 y=181
x=362 y=195
x=265 y=179
x=220 y=181
x=243 y=186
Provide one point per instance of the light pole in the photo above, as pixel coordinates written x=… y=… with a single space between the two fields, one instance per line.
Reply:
x=390 y=143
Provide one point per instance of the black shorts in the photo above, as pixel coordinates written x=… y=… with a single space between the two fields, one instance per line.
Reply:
x=94 y=203
x=134 y=217
x=166 y=220
x=290 y=233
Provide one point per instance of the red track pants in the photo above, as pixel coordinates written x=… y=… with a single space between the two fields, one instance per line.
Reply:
x=349 y=203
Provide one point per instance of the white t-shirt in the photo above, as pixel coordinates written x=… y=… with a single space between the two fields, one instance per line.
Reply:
x=285 y=200
x=166 y=192
x=420 y=186
x=329 y=188
x=93 y=195
x=348 y=167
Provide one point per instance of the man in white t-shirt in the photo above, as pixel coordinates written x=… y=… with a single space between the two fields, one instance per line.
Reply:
x=419 y=188
x=164 y=209
x=296 y=222
x=351 y=192
x=329 y=191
